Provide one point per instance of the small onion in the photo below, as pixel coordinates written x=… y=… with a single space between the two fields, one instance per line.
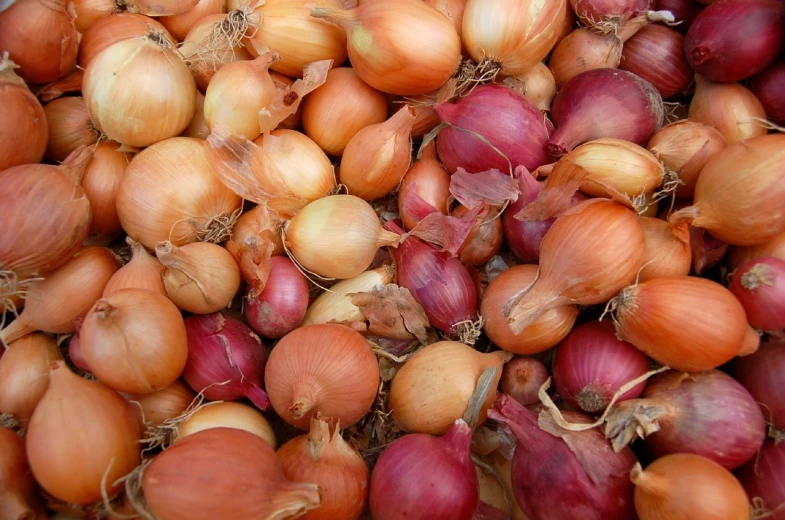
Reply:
x=484 y=239
x=226 y=415
x=584 y=49
x=522 y=379
x=23 y=127
x=16 y=482
x=280 y=307
x=773 y=247
x=759 y=285
x=167 y=403
x=143 y=271
x=69 y=127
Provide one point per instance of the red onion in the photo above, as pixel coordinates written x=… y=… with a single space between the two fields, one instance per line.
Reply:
x=763 y=479
x=226 y=359
x=524 y=238
x=592 y=364
x=438 y=281
x=605 y=103
x=522 y=378
x=760 y=287
x=769 y=88
x=656 y=54
x=505 y=118
x=281 y=306
x=761 y=374
x=734 y=39
x=559 y=474
x=596 y=10
x=707 y=413
x=422 y=477
x=683 y=11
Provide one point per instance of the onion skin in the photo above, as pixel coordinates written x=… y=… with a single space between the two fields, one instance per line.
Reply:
x=281 y=306
x=596 y=10
x=179 y=24
x=429 y=180
x=768 y=87
x=142 y=272
x=759 y=287
x=484 y=239
x=760 y=374
x=223 y=414
x=728 y=107
x=112 y=29
x=762 y=479
x=656 y=54
x=23 y=128
x=522 y=378
x=166 y=403
x=668 y=251
x=101 y=182
x=69 y=127
x=16 y=482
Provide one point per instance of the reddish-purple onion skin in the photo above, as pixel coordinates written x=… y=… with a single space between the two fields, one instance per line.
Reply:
x=763 y=478
x=684 y=11
x=596 y=10
x=591 y=364
x=522 y=378
x=550 y=479
x=769 y=88
x=222 y=349
x=281 y=306
x=508 y=121
x=760 y=287
x=422 y=477
x=656 y=54
x=734 y=39
x=761 y=374
x=604 y=103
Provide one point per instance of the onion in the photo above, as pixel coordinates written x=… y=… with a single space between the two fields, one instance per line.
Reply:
x=418 y=63
x=452 y=9
x=427 y=179
x=581 y=50
x=23 y=127
x=226 y=359
x=170 y=192
x=16 y=482
x=24 y=370
x=64 y=295
x=522 y=378
x=728 y=56
x=40 y=37
x=605 y=244
x=326 y=459
x=730 y=108
x=197 y=128
x=69 y=127
x=143 y=271
x=484 y=239
x=773 y=247
x=112 y=29
x=593 y=11
x=280 y=307
x=542 y=334
x=667 y=490
x=167 y=403
x=762 y=480
x=239 y=467
x=421 y=477
x=536 y=84
x=337 y=236
x=768 y=87
x=179 y=24
x=668 y=251
x=75 y=353
x=684 y=12
x=674 y=321
x=255 y=238
x=760 y=375
x=656 y=54
x=432 y=389
x=93 y=12
x=124 y=331
x=376 y=158
x=344 y=105
x=129 y=85
x=327 y=369
x=560 y=474
x=503 y=118
x=739 y=193
x=591 y=365
x=227 y=415
x=512 y=35
x=630 y=108
x=75 y=464
x=684 y=147
x=758 y=285
x=101 y=182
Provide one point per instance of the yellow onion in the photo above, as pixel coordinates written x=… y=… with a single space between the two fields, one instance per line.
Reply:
x=69 y=127
x=92 y=12
x=512 y=34
x=728 y=107
x=344 y=105
x=197 y=128
x=227 y=415
x=377 y=157
x=775 y=247
x=179 y=24
x=668 y=251
x=323 y=457
x=139 y=91
x=337 y=236
x=112 y=29
x=287 y=28
x=536 y=84
x=544 y=333
x=64 y=295
x=24 y=371
x=71 y=461
x=429 y=180
x=199 y=277
x=23 y=127
x=101 y=182
x=335 y=306
x=584 y=49
x=432 y=389
x=170 y=192
x=452 y=9
x=167 y=403
x=685 y=147
x=418 y=62
x=16 y=482
x=143 y=271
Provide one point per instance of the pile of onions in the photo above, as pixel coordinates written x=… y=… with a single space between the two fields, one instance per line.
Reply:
x=143 y=271
x=762 y=479
x=591 y=365
x=69 y=127
x=420 y=63
x=522 y=379
x=432 y=389
x=328 y=369
x=667 y=490
x=124 y=331
x=656 y=54
x=759 y=286
x=16 y=481
x=238 y=466
x=428 y=180
x=768 y=87
x=707 y=413
x=112 y=29
x=170 y=192
x=423 y=477
x=668 y=251
x=558 y=473
x=323 y=457
x=280 y=307
x=728 y=107
x=101 y=183
x=493 y=114
x=341 y=107
x=226 y=359
x=167 y=403
x=23 y=128
x=760 y=374
x=75 y=464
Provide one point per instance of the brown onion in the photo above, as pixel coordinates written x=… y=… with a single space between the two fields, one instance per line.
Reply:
x=668 y=251
x=484 y=239
x=728 y=107
x=180 y=24
x=143 y=271
x=197 y=128
x=23 y=128
x=112 y=29
x=101 y=182
x=227 y=415
x=69 y=127
x=16 y=482
x=167 y=403
x=584 y=49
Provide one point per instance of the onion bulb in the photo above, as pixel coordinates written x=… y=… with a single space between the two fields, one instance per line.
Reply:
x=16 y=482
x=23 y=127
x=773 y=247
x=522 y=378
x=280 y=307
x=179 y=24
x=101 y=182
x=759 y=373
x=759 y=287
x=656 y=53
x=112 y=29
x=167 y=403
x=197 y=128
x=69 y=127
x=668 y=251
x=728 y=107
x=227 y=415
x=484 y=239
x=143 y=271
x=536 y=84
x=762 y=480
x=430 y=181
x=584 y=49
x=70 y=462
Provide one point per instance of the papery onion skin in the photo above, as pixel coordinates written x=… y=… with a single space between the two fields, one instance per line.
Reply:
x=180 y=24
x=69 y=127
x=112 y=29
x=668 y=251
x=16 y=482
x=166 y=403
x=759 y=285
x=760 y=374
x=281 y=306
x=768 y=87
x=762 y=479
x=728 y=107
x=656 y=54
x=522 y=378
x=23 y=127
x=429 y=180
x=773 y=247
x=101 y=182
x=227 y=415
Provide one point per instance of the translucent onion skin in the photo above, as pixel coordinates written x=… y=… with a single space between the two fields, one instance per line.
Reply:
x=656 y=53
x=762 y=479
x=23 y=127
x=112 y=29
x=760 y=373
